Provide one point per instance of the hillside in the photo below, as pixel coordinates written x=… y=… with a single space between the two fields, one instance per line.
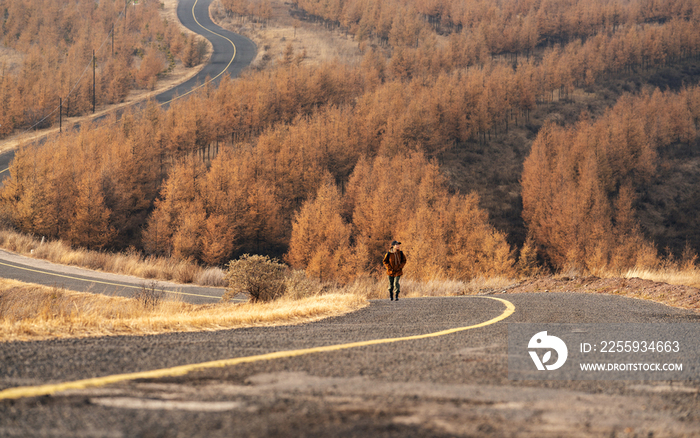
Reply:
x=666 y=206
x=492 y=167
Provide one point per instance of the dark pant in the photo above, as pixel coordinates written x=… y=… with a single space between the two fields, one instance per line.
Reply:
x=394 y=286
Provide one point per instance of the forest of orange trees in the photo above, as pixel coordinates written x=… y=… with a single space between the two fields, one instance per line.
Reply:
x=324 y=164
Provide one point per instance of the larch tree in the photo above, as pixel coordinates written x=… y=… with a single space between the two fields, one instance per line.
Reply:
x=90 y=227
x=187 y=237
x=320 y=239
x=579 y=186
x=217 y=240
x=178 y=193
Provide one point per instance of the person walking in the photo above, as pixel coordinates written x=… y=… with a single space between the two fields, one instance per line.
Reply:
x=394 y=261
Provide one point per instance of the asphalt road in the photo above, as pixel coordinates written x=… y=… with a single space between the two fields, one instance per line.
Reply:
x=30 y=270
x=455 y=384
x=231 y=52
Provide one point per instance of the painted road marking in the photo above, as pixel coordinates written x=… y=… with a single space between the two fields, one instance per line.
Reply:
x=102 y=282
x=36 y=391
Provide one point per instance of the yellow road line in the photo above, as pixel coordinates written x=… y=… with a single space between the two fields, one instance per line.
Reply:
x=35 y=391
x=222 y=71
x=102 y=282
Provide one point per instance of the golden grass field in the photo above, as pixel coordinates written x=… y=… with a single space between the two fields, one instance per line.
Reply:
x=33 y=312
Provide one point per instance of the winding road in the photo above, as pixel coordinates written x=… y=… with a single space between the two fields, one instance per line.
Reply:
x=231 y=54
x=30 y=270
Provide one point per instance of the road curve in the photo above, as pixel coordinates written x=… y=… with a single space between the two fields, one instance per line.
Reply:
x=231 y=52
x=451 y=385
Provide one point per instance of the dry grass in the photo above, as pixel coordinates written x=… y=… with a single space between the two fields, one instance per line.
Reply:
x=373 y=288
x=31 y=312
x=34 y=312
x=130 y=263
x=158 y=268
x=684 y=277
x=210 y=277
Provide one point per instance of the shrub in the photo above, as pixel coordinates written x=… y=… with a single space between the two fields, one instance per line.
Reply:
x=259 y=277
x=149 y=296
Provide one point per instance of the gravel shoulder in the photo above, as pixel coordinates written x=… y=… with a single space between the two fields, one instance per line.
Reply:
x=684 y=297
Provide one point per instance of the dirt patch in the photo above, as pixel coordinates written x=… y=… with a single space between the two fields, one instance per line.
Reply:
x=312 y=43
x=684 y=297
x=11 y=60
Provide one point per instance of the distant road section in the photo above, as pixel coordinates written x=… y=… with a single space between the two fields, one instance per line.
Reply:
x=231 y=52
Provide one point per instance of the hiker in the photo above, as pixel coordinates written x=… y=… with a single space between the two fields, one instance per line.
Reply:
x=394 y=261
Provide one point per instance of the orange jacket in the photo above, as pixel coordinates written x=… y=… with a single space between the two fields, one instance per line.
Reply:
x=394 y=263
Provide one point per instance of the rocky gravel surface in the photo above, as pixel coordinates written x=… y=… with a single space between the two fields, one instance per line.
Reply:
x=452 y=385
x=686 y=297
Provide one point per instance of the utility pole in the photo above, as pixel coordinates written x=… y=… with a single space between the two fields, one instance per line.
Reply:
x=94 y=64
x=112 y=40
x=60 y=115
